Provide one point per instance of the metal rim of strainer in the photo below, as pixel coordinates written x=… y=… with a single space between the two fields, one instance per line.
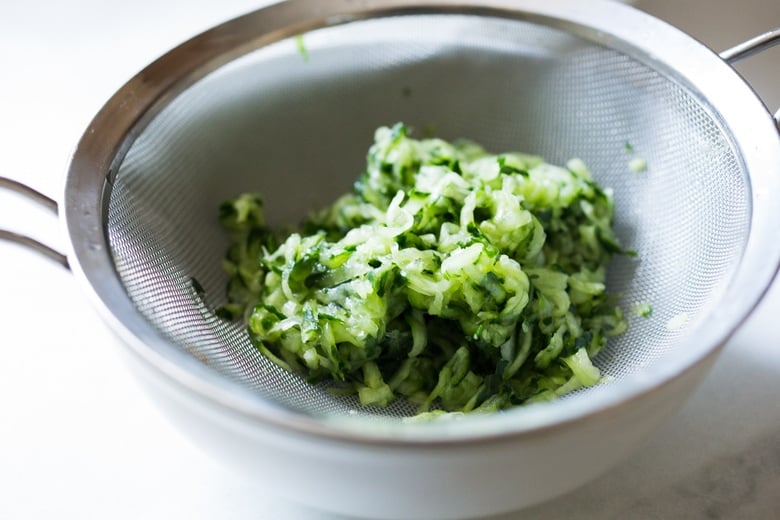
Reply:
x=102 y=147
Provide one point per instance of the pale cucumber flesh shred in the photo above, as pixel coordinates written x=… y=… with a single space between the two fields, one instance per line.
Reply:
x=451 y=277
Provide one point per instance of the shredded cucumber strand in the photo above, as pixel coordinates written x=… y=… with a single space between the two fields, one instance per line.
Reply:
x=457 y=279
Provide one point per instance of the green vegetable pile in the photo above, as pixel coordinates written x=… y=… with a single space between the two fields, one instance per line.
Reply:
x=450 y=277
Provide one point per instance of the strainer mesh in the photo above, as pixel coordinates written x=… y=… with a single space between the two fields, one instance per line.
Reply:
x=297 y=131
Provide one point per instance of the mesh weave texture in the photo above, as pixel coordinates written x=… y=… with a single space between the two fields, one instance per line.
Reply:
x=297 y=131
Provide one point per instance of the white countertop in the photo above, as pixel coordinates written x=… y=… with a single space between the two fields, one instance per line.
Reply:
x=79 y=439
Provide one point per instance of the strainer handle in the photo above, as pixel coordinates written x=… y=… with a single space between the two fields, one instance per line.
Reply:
x=24 y=240
x=752 y=47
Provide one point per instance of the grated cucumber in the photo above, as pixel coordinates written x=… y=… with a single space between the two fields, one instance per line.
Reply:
x=451 y=277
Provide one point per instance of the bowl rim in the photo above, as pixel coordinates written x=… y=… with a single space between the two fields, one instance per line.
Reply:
x=112 y=132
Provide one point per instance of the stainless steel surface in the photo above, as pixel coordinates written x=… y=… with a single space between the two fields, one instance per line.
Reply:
x=613 y=95
x=712 y=99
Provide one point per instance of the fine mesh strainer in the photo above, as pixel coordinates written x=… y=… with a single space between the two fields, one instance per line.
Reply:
x=249 y=106
x=271 y=118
